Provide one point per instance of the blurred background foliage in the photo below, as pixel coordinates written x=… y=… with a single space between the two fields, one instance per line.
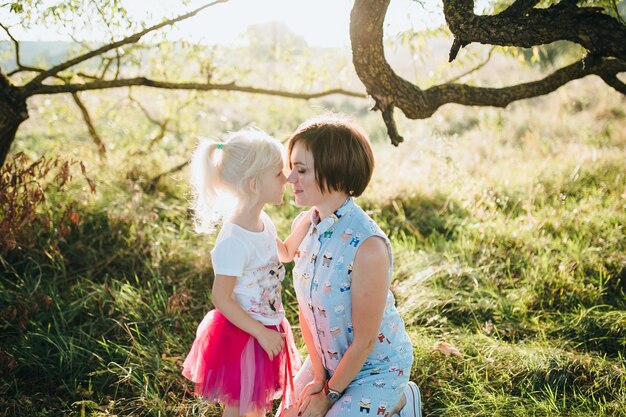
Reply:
x=507 y=226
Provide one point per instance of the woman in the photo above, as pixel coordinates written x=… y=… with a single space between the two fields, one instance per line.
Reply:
x=360 y=355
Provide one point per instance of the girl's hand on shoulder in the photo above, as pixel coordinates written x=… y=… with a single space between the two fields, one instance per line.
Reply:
x=271 y=341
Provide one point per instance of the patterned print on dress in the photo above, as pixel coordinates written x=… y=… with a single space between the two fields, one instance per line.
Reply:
x=327 y=288
x=333 y=354
x=382 y=409
x=346 y=403
x=334 y=331
x=402 y=351
x=382 y=338
x=393 y=326
x=346 y=235
x=340 y=310
x=268 y=278
x=379 y=383
x=356 y=239
x=365 y=404
x=327 y=259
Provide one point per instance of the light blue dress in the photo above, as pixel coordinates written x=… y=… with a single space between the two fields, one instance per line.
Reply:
x=322 y=281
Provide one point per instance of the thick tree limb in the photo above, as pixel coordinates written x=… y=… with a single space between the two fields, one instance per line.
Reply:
x=390 y=90
x=38 y=80
x=520 y=7
x=142 y=81
x=599 y=33
x=90 y=126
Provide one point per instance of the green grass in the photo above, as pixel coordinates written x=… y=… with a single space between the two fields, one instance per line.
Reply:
x=508 y=238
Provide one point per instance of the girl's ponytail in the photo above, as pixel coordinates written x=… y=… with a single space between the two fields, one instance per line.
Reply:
x=205 y=170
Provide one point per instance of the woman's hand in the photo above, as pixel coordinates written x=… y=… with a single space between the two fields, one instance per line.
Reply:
x=271 y=341
x=313 y=402
x=313 y=387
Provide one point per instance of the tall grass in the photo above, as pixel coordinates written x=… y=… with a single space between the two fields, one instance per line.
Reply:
x=508 y=234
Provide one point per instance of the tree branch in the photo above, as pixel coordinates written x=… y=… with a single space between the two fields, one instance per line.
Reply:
x=142 y=81
x=18 y=63
x=519 y=7
x=615 y=82
x=162 y=125
x=90 y=126
x=599 y=33
x=501 y=97
x=390 y=90
x=153 y=182
x=38 y=80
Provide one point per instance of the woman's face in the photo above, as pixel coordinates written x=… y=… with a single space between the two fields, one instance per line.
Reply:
x=302 y=177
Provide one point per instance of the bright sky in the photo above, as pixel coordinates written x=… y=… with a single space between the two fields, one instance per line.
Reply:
x=320 y=22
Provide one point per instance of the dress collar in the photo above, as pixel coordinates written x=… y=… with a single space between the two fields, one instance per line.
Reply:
x=326 y=224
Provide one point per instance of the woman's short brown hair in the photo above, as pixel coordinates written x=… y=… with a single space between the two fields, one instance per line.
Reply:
x=342 y=154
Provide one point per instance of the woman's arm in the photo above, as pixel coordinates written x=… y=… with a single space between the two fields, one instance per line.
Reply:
x=222 y=297
x=369 y=288
x=287 y=249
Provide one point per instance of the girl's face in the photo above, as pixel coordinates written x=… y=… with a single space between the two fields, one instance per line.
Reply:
x=272 y=185
x=302 y=177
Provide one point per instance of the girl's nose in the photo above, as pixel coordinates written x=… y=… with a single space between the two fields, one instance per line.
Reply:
x=292 y=177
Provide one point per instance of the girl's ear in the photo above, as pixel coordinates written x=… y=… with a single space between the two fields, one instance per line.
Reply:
x=253 y=185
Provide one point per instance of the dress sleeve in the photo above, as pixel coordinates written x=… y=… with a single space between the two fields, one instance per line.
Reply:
x=229 y=257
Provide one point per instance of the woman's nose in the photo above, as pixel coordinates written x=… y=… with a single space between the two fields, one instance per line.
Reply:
x=292 y=177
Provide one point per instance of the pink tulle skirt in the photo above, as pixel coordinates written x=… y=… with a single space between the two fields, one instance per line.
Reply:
x=228 y=365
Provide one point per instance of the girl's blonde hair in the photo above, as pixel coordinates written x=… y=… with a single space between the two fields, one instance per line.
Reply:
x=226 y=169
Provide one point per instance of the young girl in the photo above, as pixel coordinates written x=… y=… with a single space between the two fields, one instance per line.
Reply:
x=243 y=355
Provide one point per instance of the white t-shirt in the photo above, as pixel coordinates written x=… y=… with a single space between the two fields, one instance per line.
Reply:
x=252 y=257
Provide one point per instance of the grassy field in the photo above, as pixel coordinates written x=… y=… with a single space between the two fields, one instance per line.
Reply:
x=507 y=228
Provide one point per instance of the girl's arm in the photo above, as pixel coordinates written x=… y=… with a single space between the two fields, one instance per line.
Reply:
x=369 y=288
x=287 y=249
x=222 y=297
